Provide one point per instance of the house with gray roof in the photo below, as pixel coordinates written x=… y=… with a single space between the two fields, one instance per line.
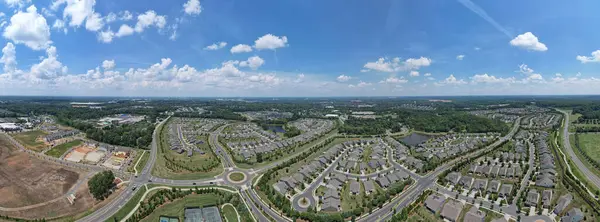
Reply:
x=434 y=202
x=451 y=210
x=532 y=198
x=562 y=203
x=369 y=186
x=474 y=215
x=546 y=198
x=480 y=184
x=494 y=186
x=281 y=187
x=331 y=201
x=401 y=174
x=574 y=215
x=383 y=182
x=505 y=190
x=453 y=177
x=392 y=178
x=354 y=187
x=466 y=182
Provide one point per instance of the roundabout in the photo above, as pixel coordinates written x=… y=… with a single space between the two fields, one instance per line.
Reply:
x=236 y=177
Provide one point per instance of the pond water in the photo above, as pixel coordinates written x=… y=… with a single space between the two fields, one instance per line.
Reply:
x=276 y=129
x=415 y=139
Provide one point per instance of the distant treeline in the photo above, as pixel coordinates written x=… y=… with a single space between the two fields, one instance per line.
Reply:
x=591 y=111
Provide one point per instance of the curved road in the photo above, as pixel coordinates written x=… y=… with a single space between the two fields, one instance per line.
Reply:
x=567 y=145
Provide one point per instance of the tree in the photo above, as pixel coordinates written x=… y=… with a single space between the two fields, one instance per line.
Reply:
x=101 y=183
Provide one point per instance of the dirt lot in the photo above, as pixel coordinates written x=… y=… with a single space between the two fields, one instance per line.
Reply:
x=26 y=180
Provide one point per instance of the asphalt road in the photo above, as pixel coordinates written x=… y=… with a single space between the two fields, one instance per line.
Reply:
x=567 y=145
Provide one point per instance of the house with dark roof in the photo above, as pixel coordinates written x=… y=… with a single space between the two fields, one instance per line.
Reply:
x=546 y=198
x=480 y=184
x=465 y=182
x=505 y=190
x=354 y=187
x=453 y=177
x=369 y=186
x=383 y=182
x=331 y=201
x=574 y=215
x=494 y=186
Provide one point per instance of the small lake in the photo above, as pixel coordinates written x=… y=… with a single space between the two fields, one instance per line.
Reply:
x=415 y=139
x=276 y=129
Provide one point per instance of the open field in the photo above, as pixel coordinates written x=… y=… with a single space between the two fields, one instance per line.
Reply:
x=590 y=144
x=26 y=180
x=422 y=214
x=177 y=207
x=168 y=164
x=229 y=213
x=582 y=158
x=31 y=139
x=59 y=150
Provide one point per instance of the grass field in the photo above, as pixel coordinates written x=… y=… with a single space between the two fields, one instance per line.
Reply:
x=590 y=144
x=59 y=150
x=236 y=176
x=29 y=139
x=166 y=170
x=177 y=207
x=421 y=214
x=142 y=157
x=229 y=213
x=129 y=205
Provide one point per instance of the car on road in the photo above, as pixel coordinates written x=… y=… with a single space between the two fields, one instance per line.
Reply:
x=133 y=188
x=149 y=181
x=194 y=183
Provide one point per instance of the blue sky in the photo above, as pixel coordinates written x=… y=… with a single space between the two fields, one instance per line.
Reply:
x=298 y=48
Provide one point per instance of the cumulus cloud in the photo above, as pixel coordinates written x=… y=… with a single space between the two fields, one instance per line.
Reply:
x=270 y=41
x=16 y=3
x=241 y=48
x=192 y=7
x=60 y=25
x=528 y=41
x=451 y=80
x=49 y=67
x=485 y=78
x=106 y=36
x=253 y=62
x=395 y=65
x=216 y=46
x=427 y=74
x=343 y=78
x=76 y=10
x=9 y=58
x=125 y=15
x=460 y=57
x=108 y=64
x=124 y=30
x=94 y=22
x=588 y=59
x=29 y=28
x=150 y=18
x=414 y=73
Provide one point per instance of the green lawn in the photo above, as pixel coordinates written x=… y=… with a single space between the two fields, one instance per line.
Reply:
x=236 y=176
x=29 y=139
x=349 y=201
x=177 y=207
x=143 y=157
x=229 y=213
x=590 y=144
x=166 y=170
x=421 y=214
x=129 y=205
x=59 y=150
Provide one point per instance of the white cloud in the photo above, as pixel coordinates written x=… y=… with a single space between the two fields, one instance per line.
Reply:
x=253 y=62
x=299 y=78
x=535 y=76
x=414 y=73
x=124 y=30
x=192 y=7
x=427 y=74
x=363 y=84
x=270 y=41
x=240 y=48
x=150 y=18
x=523 y=68
x=394 y=80
x=76 y=10
x=460 y=57
x=343 y=78
x=94 y=22
x=60 y=25
x=594 y=58
x=108 y=64
x=383 y=65
x=528 y=41
x=216 y=46
x=269 y=80
x=111 y=17
x=125 y=15
x=485 y=78
x=451 y=80
x=9 y=58
x=106 y=36
x=49 y=67
x=16 y=3
x=558 y=74
x=29 y=28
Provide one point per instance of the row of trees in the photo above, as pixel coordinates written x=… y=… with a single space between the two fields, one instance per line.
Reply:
x=590 y=111
x=587 y=129
x=403 y=215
